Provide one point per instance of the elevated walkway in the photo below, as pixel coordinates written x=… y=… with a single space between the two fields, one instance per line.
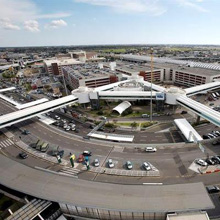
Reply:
x=24 y=114
x=7 y=89
x=187 y=130
x=200 y=109
x=202 y=88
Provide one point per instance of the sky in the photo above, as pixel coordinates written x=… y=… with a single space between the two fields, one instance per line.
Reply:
x=98 y=22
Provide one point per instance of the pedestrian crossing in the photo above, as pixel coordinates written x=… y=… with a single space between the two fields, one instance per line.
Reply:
x=69 y=171
x=6 y=143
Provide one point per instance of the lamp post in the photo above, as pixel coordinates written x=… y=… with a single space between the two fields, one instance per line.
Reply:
x=151 y=103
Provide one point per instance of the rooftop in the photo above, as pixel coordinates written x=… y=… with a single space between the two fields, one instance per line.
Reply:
x=62 y=62
x=87 y=71
x=177 y=65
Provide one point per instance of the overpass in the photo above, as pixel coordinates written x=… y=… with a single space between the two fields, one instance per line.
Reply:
x=27 y=113
x=202 y=88
x=200 y=109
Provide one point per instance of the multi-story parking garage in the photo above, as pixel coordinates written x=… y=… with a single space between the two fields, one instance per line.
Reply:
x=184 y=73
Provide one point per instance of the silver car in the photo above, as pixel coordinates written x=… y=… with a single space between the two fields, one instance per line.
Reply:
x=146 y=166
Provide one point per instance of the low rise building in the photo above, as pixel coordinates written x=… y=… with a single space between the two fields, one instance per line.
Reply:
x=81 y=77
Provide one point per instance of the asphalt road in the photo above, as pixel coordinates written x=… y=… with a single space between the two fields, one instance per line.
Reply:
x=171 y=161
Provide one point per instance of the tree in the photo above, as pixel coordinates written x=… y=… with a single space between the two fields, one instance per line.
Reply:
x=134 y=124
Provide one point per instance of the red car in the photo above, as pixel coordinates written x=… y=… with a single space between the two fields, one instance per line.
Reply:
x=80 y=158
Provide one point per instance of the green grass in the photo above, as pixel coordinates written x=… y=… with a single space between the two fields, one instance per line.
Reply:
x=147 y=124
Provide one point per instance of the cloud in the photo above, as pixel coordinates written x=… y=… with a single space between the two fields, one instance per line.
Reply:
x=32 y=26
x=54 y=15
x=56 y=24
x=8 y=25
x=24 y=10
x=152 y=7
x=194 y=4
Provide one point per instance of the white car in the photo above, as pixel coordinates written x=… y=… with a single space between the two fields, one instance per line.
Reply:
x=146 y=166
x=96 y=163
x=201 y=162
x=110 y=163
x=67 y=128
x=129 y=165
x=57 y=117
x=150 y=149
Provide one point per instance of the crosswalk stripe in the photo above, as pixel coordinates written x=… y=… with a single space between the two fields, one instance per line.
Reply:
x=4 y=145
x=8 y=142
x=11 y=141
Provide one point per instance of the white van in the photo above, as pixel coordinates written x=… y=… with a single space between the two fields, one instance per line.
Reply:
x=145 y=116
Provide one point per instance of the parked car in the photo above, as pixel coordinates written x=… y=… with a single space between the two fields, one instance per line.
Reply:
x=216 y=159
x=23 y=155
x=213 y=189
x=145 y=116
x=67 y=128
x=103 y=118
x=210 y=161
x=80 y=158
x=26 y=132
x=201 y=162
x=110 y=163
x=150 y=149
x=146 y=166
x=57 y=117
x=129 y=165
x=216 y=142
x=184 y=112
x=96 y=163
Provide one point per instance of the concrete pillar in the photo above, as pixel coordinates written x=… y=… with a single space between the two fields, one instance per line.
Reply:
x=198 y=120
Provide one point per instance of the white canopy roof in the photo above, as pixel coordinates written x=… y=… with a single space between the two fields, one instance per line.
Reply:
x=122 y=107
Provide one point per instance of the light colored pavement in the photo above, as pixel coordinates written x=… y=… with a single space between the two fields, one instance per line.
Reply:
x=108 y=196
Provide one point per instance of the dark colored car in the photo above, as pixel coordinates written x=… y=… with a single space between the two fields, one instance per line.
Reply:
x=184 y=112
x=23 y=155
x=92 y=126
x=26 y=132
x=216 y=159
x=212 y=189
x=210 y=161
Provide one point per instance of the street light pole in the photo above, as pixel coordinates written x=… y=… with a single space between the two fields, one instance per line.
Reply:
x=151 y=103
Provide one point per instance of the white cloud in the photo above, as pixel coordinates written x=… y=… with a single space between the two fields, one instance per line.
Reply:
x=54 y=15
x=19 y=11
x=152 y=7
x=194 y=4
x=31 y=25
x=8 y=25
x=56 y=24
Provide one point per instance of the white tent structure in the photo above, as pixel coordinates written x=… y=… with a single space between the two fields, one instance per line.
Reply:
x=122 y=107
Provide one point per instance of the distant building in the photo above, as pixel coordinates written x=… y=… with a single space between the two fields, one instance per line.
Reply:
x=54 y=66
x=75 y=78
